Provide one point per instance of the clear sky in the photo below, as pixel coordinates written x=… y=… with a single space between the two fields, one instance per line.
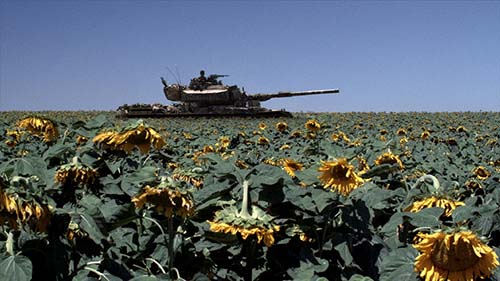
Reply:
x=384 y=56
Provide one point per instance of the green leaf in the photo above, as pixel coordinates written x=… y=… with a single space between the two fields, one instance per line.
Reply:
x=345 y=253
x=15 y=268
x=357 y=277
x=399 y=265
x=308 y=270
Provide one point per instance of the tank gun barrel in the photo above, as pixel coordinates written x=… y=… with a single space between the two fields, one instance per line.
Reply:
x=265 y=97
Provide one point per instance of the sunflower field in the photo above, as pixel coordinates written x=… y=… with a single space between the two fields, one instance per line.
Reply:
x=326 y=196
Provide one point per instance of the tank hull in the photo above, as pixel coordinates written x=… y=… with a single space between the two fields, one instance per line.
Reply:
x=145 y=111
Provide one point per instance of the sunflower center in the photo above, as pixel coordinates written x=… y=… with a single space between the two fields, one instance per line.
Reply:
x=340 y=172
x=458 y=257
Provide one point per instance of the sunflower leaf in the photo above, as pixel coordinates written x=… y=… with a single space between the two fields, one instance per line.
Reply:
x=15 y=268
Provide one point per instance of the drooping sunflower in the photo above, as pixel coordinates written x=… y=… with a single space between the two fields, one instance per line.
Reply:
x=340 y=135
x=281 y=126
x=481 y=173
x=285 y=147
x=135 y=135
x=458 y=255
x=40 y=127
x=389 y=158
x=189 y=177
x=17 y=211
x=339 y=176
x=425 y=135
x=401 y=132
x=290 y=166
x=75 y=173
x=435 y=201
x=263 y=141
x=254 y=223
x=224 y=142
x=296 y=134
x=81 y=140
x=166 y=199
x=312 y=125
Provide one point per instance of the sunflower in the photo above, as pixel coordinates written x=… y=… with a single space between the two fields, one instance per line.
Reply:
x=290 y=166
x=481 y=173
x=18 y=212
x=425 y=135
x=267 y=235
x=435 y=201
x=389 y=158
x=188 y=177
x=296 y=134
x=401 y=132
x=263 y=140
x=270 y=161
x=136 y=135
x=262 y=126
x=340 y=135
x=339 y=176
x=241 y=164
x=39 y=127
x=457 y=256
x=281 y=126
x=248 y=223
x=166 y=200
x=312 y=125
x=15 y=137
x=285 y=147
x=80 y=140
x=224 y=142
x=75 y=173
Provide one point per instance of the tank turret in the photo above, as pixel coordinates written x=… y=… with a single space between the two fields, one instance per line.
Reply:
x=208 y=96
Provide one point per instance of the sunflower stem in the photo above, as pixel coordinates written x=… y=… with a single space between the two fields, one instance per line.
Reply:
x=171 y=235
x=244 y=213
x=251 y=244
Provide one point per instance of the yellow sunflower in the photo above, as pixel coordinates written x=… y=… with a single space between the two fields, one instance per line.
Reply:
x=39 y=127
x=425 y=135
x=80 y=140
x=455 y=256
x=339 y=176
x=281 y=126
x=224 y=142
x=312 y=125
x=17 y=212
x=248 y=222
x=290 y=166
x=75 y=173
x=389 y=158
x=285 y=147
x=136 y=135
x=340 y=135
x=401 y=132
x=435 y=201
x=262 y=126
x=263 y=140
x=262 y=234
x=481 y=173
x=166 y=200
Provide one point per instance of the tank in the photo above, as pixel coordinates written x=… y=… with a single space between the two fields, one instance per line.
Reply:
x=208 y=96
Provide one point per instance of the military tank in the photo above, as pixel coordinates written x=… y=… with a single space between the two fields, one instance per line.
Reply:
x=208 y=96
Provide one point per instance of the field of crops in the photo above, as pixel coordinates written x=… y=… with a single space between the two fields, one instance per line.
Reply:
x=331 y=196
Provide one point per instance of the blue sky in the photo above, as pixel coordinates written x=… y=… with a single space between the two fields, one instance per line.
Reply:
x=384 y=56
